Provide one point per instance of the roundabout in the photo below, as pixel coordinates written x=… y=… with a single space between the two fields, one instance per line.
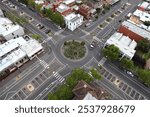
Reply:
x=74 y=50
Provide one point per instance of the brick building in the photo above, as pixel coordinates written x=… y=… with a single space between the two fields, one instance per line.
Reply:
x=134 y=32
x=85 y=11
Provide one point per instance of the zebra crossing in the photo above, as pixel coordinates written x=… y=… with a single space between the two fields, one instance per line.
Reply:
x=42 y=62
x=58 y=77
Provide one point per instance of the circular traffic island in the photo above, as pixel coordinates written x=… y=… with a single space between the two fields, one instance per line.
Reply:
x=74 y=50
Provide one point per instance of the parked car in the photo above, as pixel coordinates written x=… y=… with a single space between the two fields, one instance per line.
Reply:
x=130 y=73
x=47 y=31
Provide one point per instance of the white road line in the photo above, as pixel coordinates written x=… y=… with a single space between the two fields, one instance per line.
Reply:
x=19 y=96
x=15 y=83
x=121 y=89
x=23 y=92
x=109 y=89
x=9 y=93
x=128 y=77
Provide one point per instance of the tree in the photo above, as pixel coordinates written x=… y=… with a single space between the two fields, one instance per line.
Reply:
x=38 y=8
x=147 y=23
x=58 y=19
x=23 y=1
x=98 y=10
x=96 y=74
x=31 y=3
x=144 y=75
x=143 y=45
x=111 y=52
x=126 y=63
x=49 y=13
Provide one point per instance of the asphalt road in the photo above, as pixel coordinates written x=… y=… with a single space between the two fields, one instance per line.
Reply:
x=55 y=44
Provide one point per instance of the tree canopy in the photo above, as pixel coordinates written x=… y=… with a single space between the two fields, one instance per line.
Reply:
x=111 y=52
x=144 y=75
x=126 y=63
x=96 y=74
x=143 y=45
x=64 y=92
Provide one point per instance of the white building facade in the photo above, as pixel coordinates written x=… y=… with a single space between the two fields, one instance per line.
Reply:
x=124 y=43
x=16 y=52
x=73 y=21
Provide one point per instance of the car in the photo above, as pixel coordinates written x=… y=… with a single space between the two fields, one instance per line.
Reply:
x=59 y=27
x=42 y=27
x=47 y=31
x=92 y=45
x=86 y=25
x=130 y=73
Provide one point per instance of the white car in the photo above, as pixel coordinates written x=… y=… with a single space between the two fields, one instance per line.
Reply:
x=130 y=73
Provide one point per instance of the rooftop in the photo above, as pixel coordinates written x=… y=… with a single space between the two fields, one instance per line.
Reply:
x=124 y=43
x=73 y=17
x=138 y=30
x=143 y=16
x=62 y=7
x=15 y=49
x=68 y=1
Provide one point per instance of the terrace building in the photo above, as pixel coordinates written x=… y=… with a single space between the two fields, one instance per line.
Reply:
x=125 y=44
x=16 y=52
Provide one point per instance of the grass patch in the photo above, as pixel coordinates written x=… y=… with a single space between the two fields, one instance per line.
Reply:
x=74 y=49
x=18 y=19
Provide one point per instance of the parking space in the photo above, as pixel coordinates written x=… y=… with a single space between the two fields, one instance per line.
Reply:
x=42 y=77
x=16 y=97
x=35 y=83
x=21 y=95
x=124 y=87
x=38 y=80
x=26 y=91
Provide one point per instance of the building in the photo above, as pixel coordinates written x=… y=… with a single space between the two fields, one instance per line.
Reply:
x=69 y=2
x=144 y=6
x=1 y=13
x=125 y=44
x=73 y=21
x=63 y=9
x=133 y=31
x=85 y=11
x=10 y=30
x=111 y=2
x=84 y=91
x=16 y=52
x=135 y=20
x=40 y=1
x=94 y=3
x=143 y=16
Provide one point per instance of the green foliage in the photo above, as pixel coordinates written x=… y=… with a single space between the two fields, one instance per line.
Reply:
x=20 y=20
x=144 y=75
x=38 y=8
x=96 y=74
x=36 y=36
x=74 y=49
x=65 y=91
x=96 y=17
x=23 y=1
x=111 y=52
x=147 y=23
x=98 y=10
x=143 y=45
x=126 y=63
